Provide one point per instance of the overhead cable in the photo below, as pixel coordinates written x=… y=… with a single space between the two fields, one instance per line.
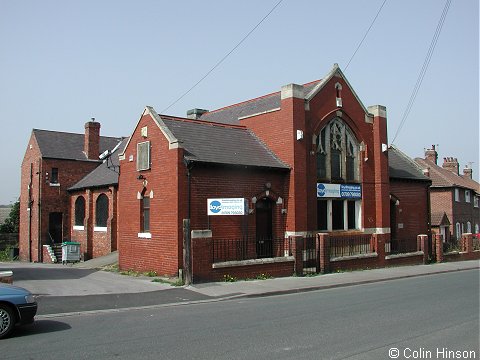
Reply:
x=223 y=58
x=424 y=69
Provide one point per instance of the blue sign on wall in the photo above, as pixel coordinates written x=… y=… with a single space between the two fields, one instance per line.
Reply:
x=342 y=191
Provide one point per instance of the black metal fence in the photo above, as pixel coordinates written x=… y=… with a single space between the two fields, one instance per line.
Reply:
x=351 y=245
x=249 y=248
x=309 y=255
x=403 y=246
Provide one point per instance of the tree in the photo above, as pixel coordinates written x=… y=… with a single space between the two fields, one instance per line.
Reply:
x=11 y=224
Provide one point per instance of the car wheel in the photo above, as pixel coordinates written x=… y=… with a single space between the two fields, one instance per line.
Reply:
x=7 y=320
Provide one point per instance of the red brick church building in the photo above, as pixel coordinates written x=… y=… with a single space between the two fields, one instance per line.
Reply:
x=304 y=160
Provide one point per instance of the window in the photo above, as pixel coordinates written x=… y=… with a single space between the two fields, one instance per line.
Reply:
x=337 y=153
x=469 y=227
x=458 y=232
x=467 y=196
x=338 y=214
x=145 y=214
x=475 y=201
x=101 y=211
x=477 y=229
x=54 y=177
x=143 y=155
x=457 y=194
x=79 y=211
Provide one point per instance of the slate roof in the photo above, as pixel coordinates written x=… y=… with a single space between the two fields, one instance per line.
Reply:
x=105 y=174
x=68 y=146
x=440 y=218
x=403 y=167
x=445 y=178
x=209 y=142
x=231 y=114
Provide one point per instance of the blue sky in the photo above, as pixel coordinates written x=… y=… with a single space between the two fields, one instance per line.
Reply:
x=63 y=62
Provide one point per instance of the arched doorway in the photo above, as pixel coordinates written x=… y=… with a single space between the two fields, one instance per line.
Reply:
x=264 y=227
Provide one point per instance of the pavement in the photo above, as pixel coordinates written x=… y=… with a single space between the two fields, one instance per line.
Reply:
x=67 y=289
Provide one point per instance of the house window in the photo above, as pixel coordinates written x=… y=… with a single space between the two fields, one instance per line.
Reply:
x=143 y=155
x=101 y=211
x=458 y=231
x=337 y=153
x=145 y=214
x=457 y=195
x=475 y=201
x=469 y=227
x=477 y=229
x=467 y=196
x=79 y=211
x=338 y=214
x=54 y=176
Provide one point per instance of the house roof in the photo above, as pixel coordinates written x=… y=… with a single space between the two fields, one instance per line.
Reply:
x=403 y=167
x=231 y=114
x=439 y=219
x=68 y=146
x=445 y=178
x=209 y=142
x=105 y=174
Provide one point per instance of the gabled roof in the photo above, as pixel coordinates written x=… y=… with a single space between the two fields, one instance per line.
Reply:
x=445 y=178
x=439 y=219
x=105 y=174
x=231 y=114
x=214 y=143
x=402 y=167
x=67 y=146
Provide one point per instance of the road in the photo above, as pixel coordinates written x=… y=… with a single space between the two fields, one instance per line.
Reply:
x=418 y=316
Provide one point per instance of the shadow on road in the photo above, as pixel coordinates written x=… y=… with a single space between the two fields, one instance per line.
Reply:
x=60 y=273
x=41 y=327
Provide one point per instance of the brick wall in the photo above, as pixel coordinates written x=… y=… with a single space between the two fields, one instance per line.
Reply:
x=46 y=197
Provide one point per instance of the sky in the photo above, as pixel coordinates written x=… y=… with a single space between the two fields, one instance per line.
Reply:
x=64 y=62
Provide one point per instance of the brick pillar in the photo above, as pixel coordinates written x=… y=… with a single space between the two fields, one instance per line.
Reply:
x=323 y=241
x=467 y=243
x=297 y=243
x=380 y=240
x=422 y=245
x=380 y=159
x=439 y=247
x=202 y=255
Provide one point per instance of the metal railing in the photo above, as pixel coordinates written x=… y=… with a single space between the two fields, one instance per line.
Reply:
x=249 y=248
x=351 y=245
x=403 y=246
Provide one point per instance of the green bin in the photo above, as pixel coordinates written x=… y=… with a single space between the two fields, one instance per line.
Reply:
x=70 y=252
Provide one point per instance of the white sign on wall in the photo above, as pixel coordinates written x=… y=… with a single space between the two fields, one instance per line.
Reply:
x=342 y=191
x=229 y=206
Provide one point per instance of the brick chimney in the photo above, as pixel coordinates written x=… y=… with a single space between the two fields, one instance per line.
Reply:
x=92 y=140
x=431 y=155
x=450 y=163
x=468 y=172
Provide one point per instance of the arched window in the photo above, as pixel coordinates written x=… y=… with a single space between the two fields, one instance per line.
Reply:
x=101 y=211
x=469 y=227
x=337 y=153
x=458 y=231
x=80 y=211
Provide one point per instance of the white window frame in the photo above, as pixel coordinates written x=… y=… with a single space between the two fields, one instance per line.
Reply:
x=467 y=196
x=458 y=231
x=469 y=227
x=358 y=214
x=457 y=194
x=475 y=201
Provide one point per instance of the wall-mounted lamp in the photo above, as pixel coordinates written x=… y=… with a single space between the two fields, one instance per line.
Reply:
x=140 y=177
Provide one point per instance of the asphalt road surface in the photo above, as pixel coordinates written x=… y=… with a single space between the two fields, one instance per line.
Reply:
x=425 y=317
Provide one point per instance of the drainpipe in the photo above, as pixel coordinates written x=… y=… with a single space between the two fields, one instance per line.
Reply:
x=187 y=239
x=30 y=203
x=39 y=240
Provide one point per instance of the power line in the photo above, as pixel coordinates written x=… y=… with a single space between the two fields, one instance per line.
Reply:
x=364 y=36
x=424 y=69
x=223 y=58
